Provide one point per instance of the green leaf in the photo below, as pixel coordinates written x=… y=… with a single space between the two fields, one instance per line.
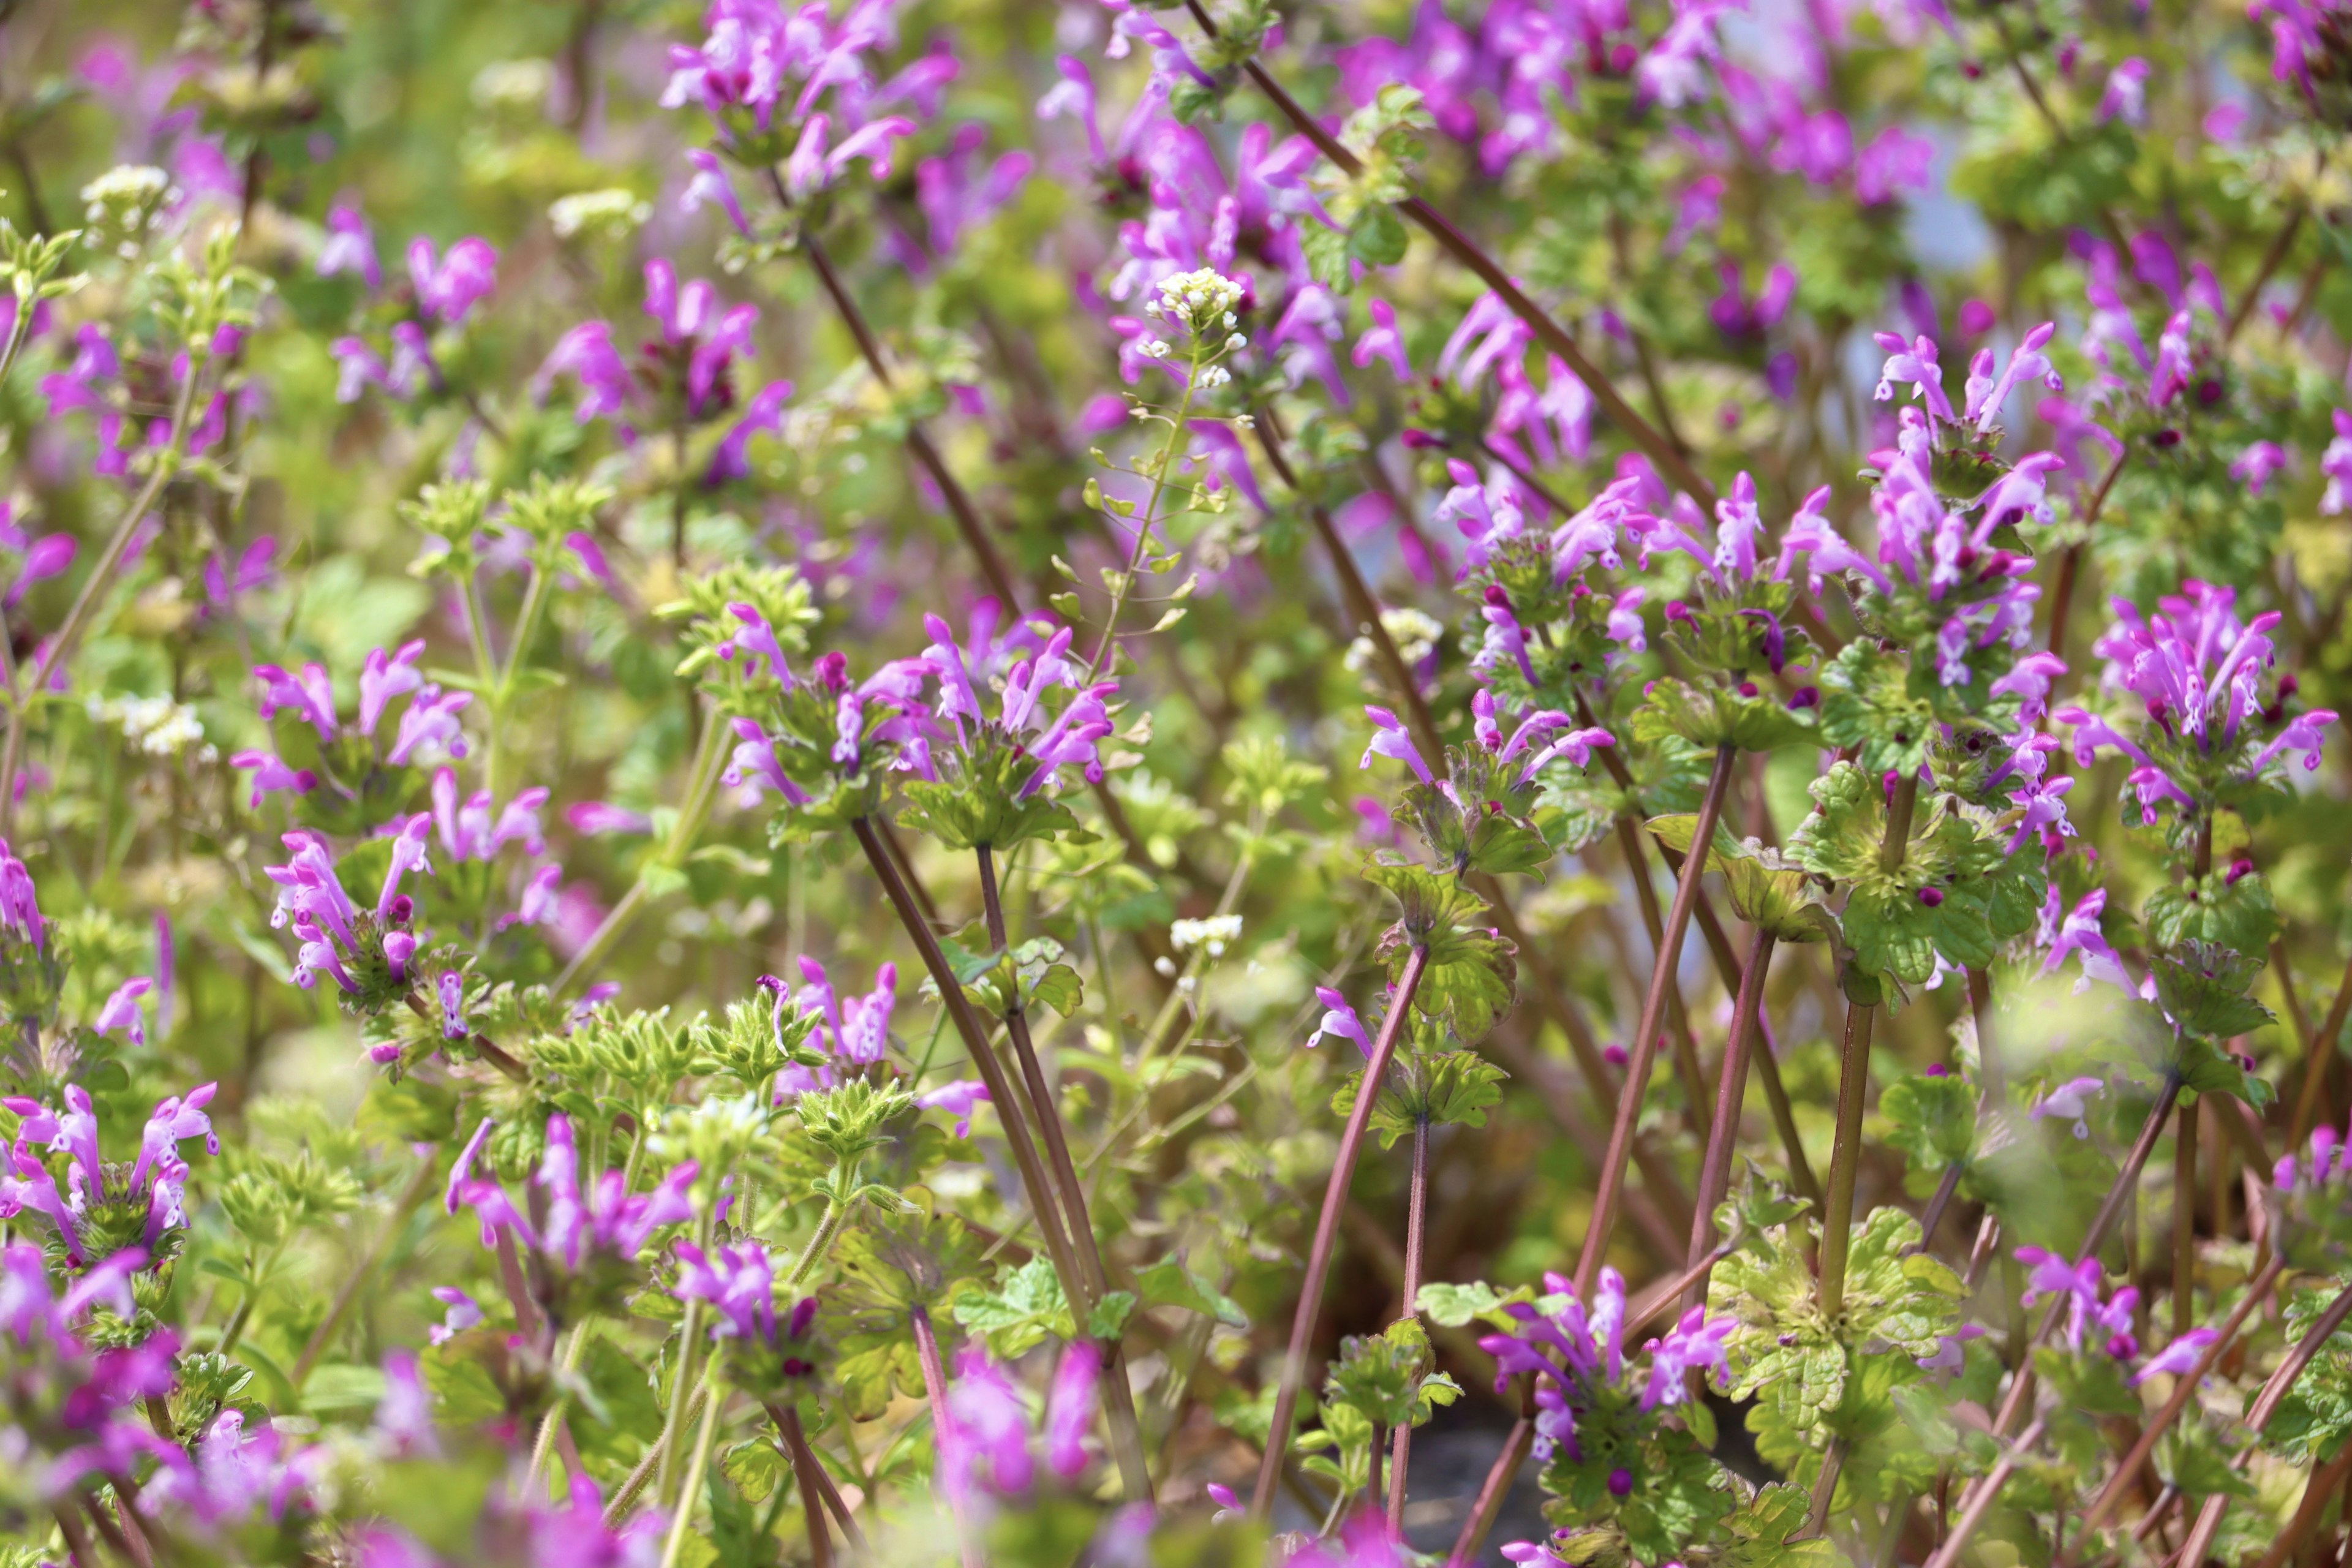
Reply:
x=1455 y=1306
x=1109 y=1319
x=1712 y=716
x=1025 y=1313
x=1169 y=1283
x=1933 y=1120
x=2201 y=988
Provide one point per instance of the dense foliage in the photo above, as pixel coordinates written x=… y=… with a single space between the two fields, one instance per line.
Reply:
x=914 y=780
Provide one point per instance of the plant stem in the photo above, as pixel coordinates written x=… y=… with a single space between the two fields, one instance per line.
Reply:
x=1459 y=245
x=1327 y=1230
x=2315 y=1060
x=1356 y=594
x=35 y=675
x=1415 y=1242
x=2282 y=1383
x=2070 y=565
x=2317 y=1492
x=935 y=1389
x=695 y=1469
x=2183 y=1390
x=1042 y=1103
x=1492 y=1491
x=805 y=1470
x=1731 y=1089
x=1845 y=1155
x=788 y=1425
x=1948 y=1554
x=1854 y=1077
x=412 y=1197
x=918 y=441
x=1646 y=1037
x=2184 y=1217
x=701 y=791
x=1118 y=1394
x=689 y=1342
x=1817 y=1514
x=617 y=1509
x=552 y=1422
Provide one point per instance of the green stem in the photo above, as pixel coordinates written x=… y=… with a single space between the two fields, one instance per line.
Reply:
x=688 y=1343
x=702 y=788
x=101 y=579
x=695 y=1471
x=1150 y=518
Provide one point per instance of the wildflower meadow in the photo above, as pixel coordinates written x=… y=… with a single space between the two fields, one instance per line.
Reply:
x=1175 y=784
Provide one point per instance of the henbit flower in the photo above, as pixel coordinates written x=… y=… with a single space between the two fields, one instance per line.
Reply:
x=2178 y=1358
x=20 y=908
x=121 y=1010
x=586 y=353
x=2125 y=97
x=740 y=1284
x=2253 y=467
x=271 y=774
x=1382 y=342
x=1987 y=393
x=464 y=1312
x=2069 y=1099
x=985 y=1442
x=2081 y=1284
x=350 y=245
x=1391 y=738
x=2336 y=464
x=594 y=818
x=857 y=1030
x=1695 y=1344
x=153 y=1191
x=961 y=1100
x=1532 y=739
x=1339 y=1018
x=448 y=287
x=1573 y=1347
x=1914 y=364
x=471 y=832
x=311 y=695
x=606 y=1221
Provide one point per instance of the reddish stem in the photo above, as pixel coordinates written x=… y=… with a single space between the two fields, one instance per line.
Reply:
x=1731 y=1090
x=1326 y=1231
x=1603 y=1219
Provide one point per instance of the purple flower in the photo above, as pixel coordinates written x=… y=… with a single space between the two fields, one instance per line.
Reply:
x=2081 y=1284
x=594 y=818
x=271 y=774
x=2125 y=97
x=451 y=989
x=463 y=1313
x=2079 y=936
x=311 y=695
x=20 y=908
x=448 y=287
x=1695 y=1343
x=740 y=1284
x=2336 y=464
x=1536 y=739
x=586 y=354
x=858 y=1029
x=1568 y=1346
x=711 y=183
x=1339 y=1018
x=1382 y=342
x=1914 y=364
x=2178 y=1358
x=350 y=245
x=1987 y=393
x=960 y=1100
x=476 y=831
x=2253 y=467
x=607 y=1220
x=1391 y=738
x=1069 y=1409
x=2071 y=1099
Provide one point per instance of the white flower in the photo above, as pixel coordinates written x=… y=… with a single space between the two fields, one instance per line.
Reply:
x=1211 y=934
